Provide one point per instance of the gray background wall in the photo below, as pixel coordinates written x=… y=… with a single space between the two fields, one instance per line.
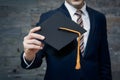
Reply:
x=16 y=19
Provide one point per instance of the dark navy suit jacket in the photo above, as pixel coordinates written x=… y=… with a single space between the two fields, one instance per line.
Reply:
x=95 y=65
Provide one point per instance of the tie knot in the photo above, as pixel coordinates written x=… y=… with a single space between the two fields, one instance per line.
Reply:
x=78 y=12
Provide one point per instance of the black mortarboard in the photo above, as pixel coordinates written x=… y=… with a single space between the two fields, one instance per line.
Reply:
x=55 y=29
x=54 y=36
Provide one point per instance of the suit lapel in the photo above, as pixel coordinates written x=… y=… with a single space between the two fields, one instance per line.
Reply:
x=92 y=29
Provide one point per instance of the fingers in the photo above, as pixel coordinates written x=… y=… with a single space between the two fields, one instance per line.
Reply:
x=31 y=41
x=35 y=29
x=32 y=46
x=35 y=36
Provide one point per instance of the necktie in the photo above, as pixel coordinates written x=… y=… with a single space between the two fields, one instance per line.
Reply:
x=80 y=22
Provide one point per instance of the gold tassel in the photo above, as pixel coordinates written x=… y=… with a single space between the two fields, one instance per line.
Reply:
x=78 y=65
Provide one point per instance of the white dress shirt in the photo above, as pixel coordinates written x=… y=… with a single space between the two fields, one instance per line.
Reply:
x=86 y=23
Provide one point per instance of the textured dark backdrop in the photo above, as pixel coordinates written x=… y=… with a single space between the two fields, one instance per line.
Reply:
x=16 y=19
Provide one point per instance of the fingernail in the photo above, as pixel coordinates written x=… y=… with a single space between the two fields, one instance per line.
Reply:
x=39 y=27
x=41 y=47
x=43 y=37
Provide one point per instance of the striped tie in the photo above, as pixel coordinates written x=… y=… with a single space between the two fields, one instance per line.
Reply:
x=80 y=22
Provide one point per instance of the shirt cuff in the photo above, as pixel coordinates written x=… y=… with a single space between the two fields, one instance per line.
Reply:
x=28 y=64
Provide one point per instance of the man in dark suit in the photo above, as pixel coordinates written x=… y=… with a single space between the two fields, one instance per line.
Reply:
x=95 y=59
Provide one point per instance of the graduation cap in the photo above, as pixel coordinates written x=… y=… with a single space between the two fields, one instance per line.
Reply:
x=60 y=31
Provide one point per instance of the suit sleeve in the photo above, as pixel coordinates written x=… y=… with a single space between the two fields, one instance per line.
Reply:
x=105 y=64
x=33 y=64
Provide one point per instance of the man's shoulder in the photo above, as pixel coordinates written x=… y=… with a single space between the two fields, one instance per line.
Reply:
x=50 y=12
x=46 y=15
x=95 y=12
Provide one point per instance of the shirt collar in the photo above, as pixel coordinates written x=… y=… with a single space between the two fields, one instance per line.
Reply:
x=72 y=9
